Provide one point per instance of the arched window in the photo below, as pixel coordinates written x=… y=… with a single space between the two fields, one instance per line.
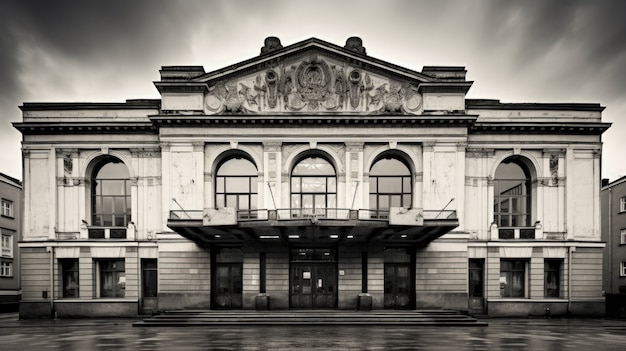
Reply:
x=390 y=186
x=236 y=184
x=513 y=194
x=110 y=194
x=313 y=186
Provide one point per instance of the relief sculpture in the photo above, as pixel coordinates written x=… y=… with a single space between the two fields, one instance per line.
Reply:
x=313 y=85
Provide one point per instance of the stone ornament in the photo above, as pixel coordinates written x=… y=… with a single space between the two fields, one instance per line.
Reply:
x=313 y=84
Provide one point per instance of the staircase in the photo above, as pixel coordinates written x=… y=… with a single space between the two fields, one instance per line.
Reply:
x=326 y=317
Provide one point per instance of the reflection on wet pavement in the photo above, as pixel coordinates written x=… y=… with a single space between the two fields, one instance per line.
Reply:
x=509 y=334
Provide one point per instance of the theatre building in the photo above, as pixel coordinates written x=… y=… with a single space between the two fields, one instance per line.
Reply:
x=311 y=176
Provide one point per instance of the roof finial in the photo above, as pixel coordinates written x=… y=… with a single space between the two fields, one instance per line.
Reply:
x=271 y=44
x=355 y=44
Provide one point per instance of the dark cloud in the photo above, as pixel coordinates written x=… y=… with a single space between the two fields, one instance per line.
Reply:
x=538 y=50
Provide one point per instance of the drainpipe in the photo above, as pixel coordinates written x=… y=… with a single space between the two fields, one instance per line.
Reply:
x=570 y=250
x=50 y=249
x=609 y=288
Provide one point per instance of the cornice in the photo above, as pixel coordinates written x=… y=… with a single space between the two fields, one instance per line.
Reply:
x=34 y=128
x=460 y=120
x=578 y=128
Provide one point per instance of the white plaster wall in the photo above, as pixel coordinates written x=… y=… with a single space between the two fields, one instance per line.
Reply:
x=188 y=101
x=444 y=102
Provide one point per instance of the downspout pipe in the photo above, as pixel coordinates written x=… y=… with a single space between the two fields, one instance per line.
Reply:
x=50 y=249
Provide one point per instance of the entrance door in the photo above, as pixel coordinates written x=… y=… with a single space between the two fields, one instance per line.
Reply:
x=149 y=300
x=313 y=286
x=228 y=286
x=397 y=285
x=226 y=278
x=399 y=278
x=476 y=272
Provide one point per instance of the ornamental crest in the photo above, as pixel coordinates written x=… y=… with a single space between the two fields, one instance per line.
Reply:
x=310 y=85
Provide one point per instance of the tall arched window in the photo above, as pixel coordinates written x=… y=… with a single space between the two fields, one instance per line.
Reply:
x=390 y=186
x=313 y=186
x=110 y=194
x=236 y=184
x=513 y=194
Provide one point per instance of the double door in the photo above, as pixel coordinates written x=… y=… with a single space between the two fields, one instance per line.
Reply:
x=227 y=286
x=399 y=291
x=313 y=285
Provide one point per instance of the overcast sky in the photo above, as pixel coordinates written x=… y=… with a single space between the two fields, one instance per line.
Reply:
x=110 y=51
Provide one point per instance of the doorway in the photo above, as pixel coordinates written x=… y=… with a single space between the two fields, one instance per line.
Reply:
x=227 y=278
x=399 y=279
x=313 y=278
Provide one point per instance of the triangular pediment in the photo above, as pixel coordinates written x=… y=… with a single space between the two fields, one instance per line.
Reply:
x=314 y=76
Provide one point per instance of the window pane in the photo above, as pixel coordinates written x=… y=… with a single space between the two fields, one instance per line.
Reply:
x=254 y=184
x=113 y=187
x=406 y=201
x=332 y=201
x=231 y=201
x=237 y=185
x=219 y=201
x=244 y=202
x=406 y=185
x=390 y=185
x=253 y=202
x=107 y=205
x=383 y=202
x=389 y=166
x=295 y=184
x=313 y=166
x=219 y=185
x=237 y=167
x=332 y=185
x=313 y=185
x=396 y=201
x=295 y=201
x=307 y=201
x=119 y=204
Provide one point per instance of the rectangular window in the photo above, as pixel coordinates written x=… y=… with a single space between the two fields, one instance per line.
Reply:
x=69 y=277
x=476 y=277
x=552 y=275
x=7 y=245
x=622 y=235
x=6 y=269
x=622 y=204
x=513 y=278
x=112 y=278
x=622 y=269
x=7 y=208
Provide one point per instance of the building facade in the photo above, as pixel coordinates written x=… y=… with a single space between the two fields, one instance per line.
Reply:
x=613 y=206
x=312 y=176
x=10 y=224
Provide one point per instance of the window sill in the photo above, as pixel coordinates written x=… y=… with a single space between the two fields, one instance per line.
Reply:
x=9 y=217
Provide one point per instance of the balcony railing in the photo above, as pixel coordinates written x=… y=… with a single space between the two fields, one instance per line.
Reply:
x=107 y=232
x=310 y=213
x=516 y=233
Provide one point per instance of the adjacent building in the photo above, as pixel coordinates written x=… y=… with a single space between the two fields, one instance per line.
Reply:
x=10 y=231
x=312 y=176
x=613 y=204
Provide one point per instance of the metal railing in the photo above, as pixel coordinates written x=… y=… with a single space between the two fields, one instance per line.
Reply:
x=307 y=213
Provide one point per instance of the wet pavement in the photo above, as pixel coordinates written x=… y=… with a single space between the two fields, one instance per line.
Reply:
x=501 y=334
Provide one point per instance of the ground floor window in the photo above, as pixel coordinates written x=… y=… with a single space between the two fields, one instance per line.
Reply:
x=6 y=269
x=622 y=269
x=513 y=278
x=552 y=274
x=112 y=278
x=69 y=277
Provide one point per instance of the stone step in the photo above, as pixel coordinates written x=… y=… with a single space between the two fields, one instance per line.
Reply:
x=222 y=318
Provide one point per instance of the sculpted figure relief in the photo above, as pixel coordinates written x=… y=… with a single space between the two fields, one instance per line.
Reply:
x=313 y=85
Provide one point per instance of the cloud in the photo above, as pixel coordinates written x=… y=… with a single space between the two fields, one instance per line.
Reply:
x=530 y=51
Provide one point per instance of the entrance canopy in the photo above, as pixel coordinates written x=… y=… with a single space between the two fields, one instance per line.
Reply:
x=312 y=226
